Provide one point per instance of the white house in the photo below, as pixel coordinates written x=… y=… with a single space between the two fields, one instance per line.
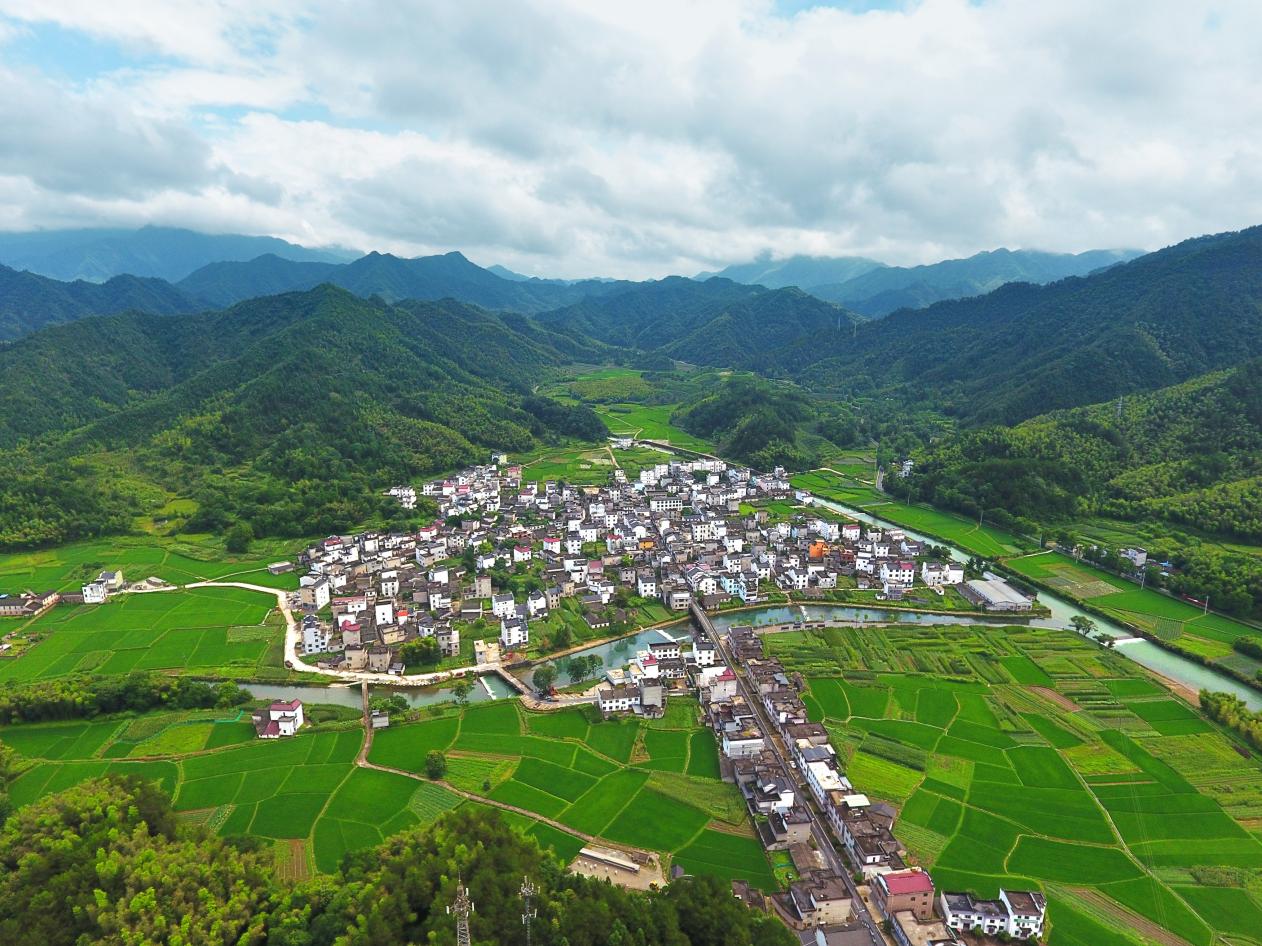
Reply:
x=1018 y=913
x=315 y=594
x=514 y=632
x=900 y=572
x=503 y=605
x=621 y=699
x=282 y=718
x=646 y=585
x=95 y=592
x=315 y=638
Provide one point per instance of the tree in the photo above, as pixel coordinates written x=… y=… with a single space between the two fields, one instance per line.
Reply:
x=239 y=537
x=545 y=676
x=460 y=690
x=563 y=637
x=435 y=764
x=423 y=650
x=1082 y=625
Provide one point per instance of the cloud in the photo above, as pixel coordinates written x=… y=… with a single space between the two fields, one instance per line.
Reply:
x=572 y=138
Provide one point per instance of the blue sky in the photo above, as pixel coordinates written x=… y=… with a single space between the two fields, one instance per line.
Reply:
x=569 y=138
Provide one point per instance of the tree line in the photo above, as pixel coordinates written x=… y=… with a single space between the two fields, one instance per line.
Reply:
x=107 y=862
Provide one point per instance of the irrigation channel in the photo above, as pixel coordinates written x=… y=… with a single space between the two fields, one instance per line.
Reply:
x=618 y=653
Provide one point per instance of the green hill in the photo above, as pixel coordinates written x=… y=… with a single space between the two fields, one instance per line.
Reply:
x=717 y=322
x=289 y=412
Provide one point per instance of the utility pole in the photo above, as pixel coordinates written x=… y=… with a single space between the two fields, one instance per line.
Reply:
x=528 y=912
x=461 y=908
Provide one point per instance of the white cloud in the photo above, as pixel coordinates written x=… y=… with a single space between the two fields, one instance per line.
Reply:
x=631 y=139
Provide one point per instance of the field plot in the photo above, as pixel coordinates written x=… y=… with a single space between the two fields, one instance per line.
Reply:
x=1048 y=762
x=653 y=785
x=173 y=630
x=649 y=422
x=1210 y=635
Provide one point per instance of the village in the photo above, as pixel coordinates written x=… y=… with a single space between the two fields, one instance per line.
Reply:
x=693 y=536
x=506 y=557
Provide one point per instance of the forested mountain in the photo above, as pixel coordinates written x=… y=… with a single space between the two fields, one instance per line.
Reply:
x=885 y=289
x=1023 y=350
x=391 y=277
x=1190 y=455
x=29 y=302
x=716 y=322
x=800 y=271
x=164 y=252
x=288 y=412
x=109 y=862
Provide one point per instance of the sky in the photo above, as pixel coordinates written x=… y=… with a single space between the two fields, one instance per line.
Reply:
x=637 y=139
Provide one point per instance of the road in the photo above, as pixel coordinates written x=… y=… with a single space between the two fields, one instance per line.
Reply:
x=824 y=843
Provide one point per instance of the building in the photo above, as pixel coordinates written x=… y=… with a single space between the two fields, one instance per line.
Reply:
x=315 y=637
x=903 y=890
x=315 y=595
x=820 y=898
x=514 y=632
x=994 y=594
x=1017 y=913
x=281 y=718
x=95 y=592
x=621 y=699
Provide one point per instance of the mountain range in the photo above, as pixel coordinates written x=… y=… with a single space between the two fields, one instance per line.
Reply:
x=874 y=289
x=29 y=302
x=169 y=253
x=392 y=278
x=1023 y=350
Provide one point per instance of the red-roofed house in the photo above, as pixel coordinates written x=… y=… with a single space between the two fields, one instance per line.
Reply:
x=282 y=718
x=910 y=890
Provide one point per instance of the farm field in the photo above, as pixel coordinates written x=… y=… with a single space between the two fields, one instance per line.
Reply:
x=1028 y=757
x=176 y=560
x=986 y=541
x=1169 y=618
x=208 y=630
x=651 y=422
x=652 y=786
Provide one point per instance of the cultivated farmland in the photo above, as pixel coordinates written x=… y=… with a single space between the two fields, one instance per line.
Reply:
x=652 y=786
x=1027 y=757
x=228 y=631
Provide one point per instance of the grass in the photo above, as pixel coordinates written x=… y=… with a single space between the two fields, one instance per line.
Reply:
x=649 y=422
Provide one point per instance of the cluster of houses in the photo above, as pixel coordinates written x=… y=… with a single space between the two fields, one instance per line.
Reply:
x=905 y=897
x=27 y=605
x=681 y=531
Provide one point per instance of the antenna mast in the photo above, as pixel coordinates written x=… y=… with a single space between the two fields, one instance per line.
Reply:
x=461 y=908
x=528 y=912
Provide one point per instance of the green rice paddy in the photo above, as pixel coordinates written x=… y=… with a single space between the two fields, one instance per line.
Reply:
x=1026 y=757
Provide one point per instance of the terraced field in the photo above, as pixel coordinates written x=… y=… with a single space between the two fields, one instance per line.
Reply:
x=1026 y=757
x=652 y=786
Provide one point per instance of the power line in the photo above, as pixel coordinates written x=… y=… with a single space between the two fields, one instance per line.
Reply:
x=461 y=908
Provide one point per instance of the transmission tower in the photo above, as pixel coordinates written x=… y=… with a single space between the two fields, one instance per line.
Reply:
x=528 y=911
x=461 y=908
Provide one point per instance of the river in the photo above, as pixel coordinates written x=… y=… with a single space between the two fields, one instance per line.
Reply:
x=1144 y=652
